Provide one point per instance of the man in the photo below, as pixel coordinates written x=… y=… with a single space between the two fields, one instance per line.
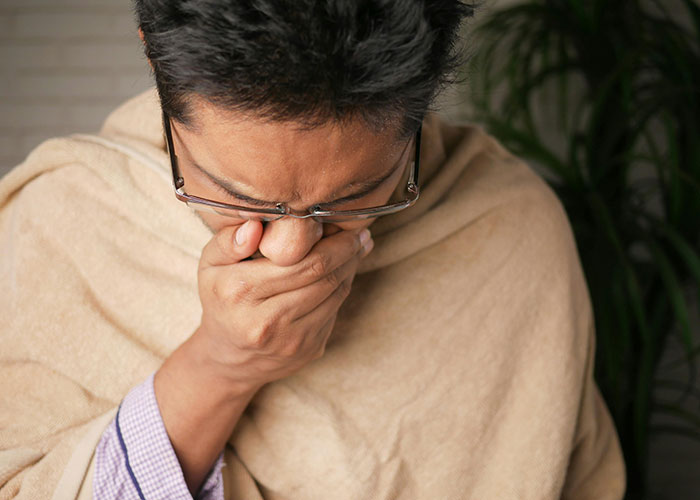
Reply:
x=257 y=341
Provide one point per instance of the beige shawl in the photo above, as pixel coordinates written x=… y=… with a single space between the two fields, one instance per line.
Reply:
x=460 y=366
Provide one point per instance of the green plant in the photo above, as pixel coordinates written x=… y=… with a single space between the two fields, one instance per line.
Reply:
x=617 y=83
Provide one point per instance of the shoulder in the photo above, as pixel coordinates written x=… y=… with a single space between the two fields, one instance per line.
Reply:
x=479 y=182
x=85 y=184
x=512 y=241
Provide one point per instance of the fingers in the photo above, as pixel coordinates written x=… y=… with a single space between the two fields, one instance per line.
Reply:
x=321 y=262
x=232 y=244
x=304 y=300
x=328 y=309
x=269 y=320
x=318 y=325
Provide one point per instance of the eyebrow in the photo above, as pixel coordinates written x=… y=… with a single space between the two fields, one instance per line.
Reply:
x=363 y=187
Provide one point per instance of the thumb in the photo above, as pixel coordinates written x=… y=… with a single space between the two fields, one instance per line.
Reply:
x=232 y=244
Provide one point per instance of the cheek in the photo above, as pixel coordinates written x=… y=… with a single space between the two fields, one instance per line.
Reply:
x=217 y=222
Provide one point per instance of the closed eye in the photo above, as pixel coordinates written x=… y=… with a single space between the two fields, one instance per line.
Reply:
x=241 y=198
x=363 y=189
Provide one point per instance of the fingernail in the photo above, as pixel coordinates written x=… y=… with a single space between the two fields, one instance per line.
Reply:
x=242 y=234
x=364 y=236
x=319 y=230
x=367 y=247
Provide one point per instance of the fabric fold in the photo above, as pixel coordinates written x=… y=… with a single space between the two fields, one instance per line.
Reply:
x=459 y=366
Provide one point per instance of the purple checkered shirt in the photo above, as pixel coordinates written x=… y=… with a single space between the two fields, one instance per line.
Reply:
x=135 y=459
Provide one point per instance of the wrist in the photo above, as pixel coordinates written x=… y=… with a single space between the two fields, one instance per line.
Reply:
x=199 y=409
x=215 y=373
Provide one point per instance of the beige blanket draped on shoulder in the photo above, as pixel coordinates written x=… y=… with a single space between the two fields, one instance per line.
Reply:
x=460 y=366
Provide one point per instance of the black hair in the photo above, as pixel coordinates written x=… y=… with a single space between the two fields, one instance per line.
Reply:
x=308 y=61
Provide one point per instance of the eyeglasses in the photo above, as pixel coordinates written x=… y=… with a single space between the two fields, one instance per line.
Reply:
x=406 y=199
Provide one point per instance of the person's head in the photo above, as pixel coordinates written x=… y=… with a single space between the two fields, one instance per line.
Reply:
x=297 y=101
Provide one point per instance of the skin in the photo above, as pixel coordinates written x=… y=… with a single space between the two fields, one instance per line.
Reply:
x=281 y=162
x=264 y=319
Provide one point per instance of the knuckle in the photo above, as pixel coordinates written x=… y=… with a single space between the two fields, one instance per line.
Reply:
x=241 y=292
x=218 y=293
x=234 y=289
x=318 y=265
x=292 y=346
x=259 y=338
x=333 y=280
x=266 y=332
x=219 y=289
x=344 y=288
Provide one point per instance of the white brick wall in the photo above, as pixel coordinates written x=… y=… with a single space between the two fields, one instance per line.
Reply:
x=64 y=64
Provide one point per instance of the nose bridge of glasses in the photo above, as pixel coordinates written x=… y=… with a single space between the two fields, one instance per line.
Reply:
x=287 y=211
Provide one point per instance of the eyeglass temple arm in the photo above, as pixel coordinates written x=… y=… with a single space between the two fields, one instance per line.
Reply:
x=416 y=159
x=178 y=181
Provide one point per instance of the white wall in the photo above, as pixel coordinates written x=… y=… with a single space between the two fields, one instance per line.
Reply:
x=64 y=64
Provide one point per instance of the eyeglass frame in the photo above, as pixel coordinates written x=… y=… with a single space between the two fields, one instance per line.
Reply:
x=281 y=209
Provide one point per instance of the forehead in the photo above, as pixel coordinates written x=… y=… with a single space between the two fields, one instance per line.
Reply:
x=285 y=160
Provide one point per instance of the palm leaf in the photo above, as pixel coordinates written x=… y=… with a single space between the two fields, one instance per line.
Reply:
x=630 y=137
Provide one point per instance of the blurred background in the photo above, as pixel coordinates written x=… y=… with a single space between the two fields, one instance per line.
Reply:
x=602 y=97
x=64 y=64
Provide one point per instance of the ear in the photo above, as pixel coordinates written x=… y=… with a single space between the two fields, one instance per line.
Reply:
x=143 y=40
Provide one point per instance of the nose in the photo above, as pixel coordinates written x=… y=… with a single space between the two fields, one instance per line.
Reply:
x=287 y=241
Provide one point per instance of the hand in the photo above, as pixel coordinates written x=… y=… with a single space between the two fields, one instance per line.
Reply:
x=262 y=322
